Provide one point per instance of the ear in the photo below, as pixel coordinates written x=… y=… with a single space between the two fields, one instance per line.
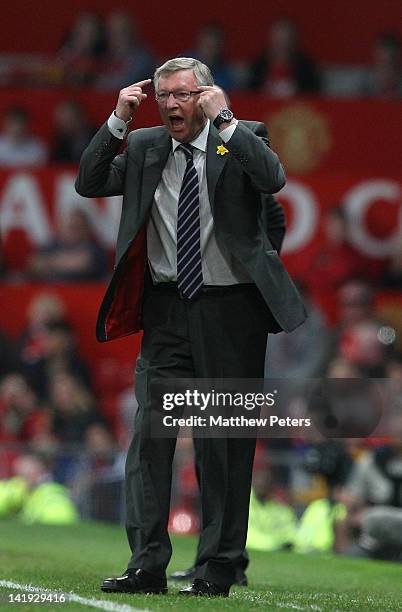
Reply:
x=199 y=106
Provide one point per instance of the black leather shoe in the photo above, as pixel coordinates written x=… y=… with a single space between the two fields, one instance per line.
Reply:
x=135 y=581
x=203 y=588
x=187 y=574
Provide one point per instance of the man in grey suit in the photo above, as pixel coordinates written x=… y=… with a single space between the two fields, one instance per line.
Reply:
x=197 y=269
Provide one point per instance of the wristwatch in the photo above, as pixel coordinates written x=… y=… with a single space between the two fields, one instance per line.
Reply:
x=225 y=116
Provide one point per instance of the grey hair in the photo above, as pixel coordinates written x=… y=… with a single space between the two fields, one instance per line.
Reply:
x=201 y=71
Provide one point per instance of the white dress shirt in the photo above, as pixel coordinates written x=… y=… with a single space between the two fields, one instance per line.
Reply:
x=219 y=267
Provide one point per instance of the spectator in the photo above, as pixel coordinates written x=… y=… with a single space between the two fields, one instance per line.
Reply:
x=358 y=335
x=320 y=527
x=72 y=409
x=356 y=303
x=58 y=354
x=80 y=54
x=73 y=256
x=21 y=419
x=18 y=147
x=377 y=477
x=373 y=495
x=385 y=77
x=362 y=346
x=44 y=308
x=336 y=261
x=20 y=412
x=34 y=497
x=101 y=448
x=209 y=49
x=48 y=345
x=283 y=69
x=127 y=59
x=272 y=523
x=73 y=131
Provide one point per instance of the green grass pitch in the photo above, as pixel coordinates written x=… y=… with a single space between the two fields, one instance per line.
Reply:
x=75 y=559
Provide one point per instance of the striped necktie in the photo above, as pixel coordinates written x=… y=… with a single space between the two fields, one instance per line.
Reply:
x=189 y=268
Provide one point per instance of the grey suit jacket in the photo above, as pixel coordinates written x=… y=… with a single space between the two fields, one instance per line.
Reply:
x=247 y=219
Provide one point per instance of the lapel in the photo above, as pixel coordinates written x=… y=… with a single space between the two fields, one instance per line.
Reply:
x=156 y=157
x=215 y=163
x=155 y=160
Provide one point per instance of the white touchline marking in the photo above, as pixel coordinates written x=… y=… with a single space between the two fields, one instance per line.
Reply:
x=102 y=604
x=297 y=607
x=256 y=598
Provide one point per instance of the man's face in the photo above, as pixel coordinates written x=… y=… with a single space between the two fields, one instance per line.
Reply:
x=184 y=120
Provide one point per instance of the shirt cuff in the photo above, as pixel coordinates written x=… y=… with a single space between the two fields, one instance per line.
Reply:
x=117 y=127
x=228 y=132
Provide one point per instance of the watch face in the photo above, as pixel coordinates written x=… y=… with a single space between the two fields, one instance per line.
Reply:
x=226 y=114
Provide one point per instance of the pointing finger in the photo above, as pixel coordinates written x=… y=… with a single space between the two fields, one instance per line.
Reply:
x=140 y=83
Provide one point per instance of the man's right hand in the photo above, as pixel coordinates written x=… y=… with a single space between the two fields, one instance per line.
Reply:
x=130 y=98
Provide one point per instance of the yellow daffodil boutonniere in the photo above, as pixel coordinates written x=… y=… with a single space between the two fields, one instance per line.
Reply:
x=221 y=150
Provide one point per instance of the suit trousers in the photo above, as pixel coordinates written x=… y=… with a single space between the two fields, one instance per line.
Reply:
x=220 y=334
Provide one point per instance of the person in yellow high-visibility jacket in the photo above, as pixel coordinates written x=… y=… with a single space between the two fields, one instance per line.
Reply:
x=32 y=497
x=13 y=493
x=317 y=526
x=271 y=524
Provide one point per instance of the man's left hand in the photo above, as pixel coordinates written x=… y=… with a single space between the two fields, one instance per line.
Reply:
x=212 y=100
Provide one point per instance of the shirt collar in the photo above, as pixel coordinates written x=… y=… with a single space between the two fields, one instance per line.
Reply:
x=199 y=143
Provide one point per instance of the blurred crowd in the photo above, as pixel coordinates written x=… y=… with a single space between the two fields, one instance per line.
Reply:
x=74 y=421
x=19 y=146
x=108 y=53
x=73 y=418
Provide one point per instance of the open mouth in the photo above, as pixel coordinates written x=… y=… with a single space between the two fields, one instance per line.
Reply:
x=176 y=122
